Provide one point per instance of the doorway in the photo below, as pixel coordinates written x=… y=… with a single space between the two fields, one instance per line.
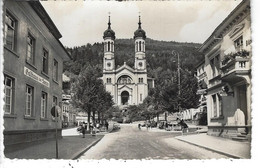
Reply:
x=124 y=97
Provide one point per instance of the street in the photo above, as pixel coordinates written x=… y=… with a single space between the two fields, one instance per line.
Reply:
x=131 y=143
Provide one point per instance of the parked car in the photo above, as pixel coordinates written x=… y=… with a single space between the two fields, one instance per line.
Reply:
x=116 y=126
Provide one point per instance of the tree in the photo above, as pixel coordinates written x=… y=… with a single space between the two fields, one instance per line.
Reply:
x=89 y=92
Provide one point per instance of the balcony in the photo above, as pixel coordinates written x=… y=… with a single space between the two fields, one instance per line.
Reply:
x=234 y=66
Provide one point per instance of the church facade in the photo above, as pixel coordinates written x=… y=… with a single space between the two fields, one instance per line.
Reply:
x=127 y=85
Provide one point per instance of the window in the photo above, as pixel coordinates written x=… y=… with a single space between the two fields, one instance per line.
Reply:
x=212 y=65
x=30 y=48
x=141 y=97
x=9 y=31
x=112 y=47
x=55 y=101
x=45 y=61
x=43 y=105
x=136 y=47
x=8 y=94
x=108 y=80
x=220 y=105
x=217 y=65
x=55 y=70
x=108 y=46
x=140 y=45
x=214 y=105
x=29 y=100
x=217 y=105
x=239 y=43
x=141 y=80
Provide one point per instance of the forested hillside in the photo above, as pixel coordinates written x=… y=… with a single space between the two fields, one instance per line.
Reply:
x=161 y=65
x=158 y=54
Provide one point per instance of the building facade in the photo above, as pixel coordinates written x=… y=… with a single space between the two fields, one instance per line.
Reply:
x=202 y=91
x=127 y=85
x=33 y=64
x=68 y=112
x=228 y=68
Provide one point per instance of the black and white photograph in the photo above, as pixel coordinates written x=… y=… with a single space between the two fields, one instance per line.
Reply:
x=127 y=81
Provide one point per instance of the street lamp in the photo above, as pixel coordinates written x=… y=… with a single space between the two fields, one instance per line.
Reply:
x=174 y=53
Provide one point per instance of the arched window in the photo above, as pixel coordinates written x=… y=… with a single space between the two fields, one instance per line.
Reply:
x=143 y=47
x=140 y=46
x=124 y=80
x=108 y=46
x=136 y=46
x=112 y=47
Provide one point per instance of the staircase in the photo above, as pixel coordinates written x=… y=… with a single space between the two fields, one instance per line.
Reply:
x=241 y=137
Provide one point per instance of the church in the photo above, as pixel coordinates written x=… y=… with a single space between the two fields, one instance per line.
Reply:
x=127 y=85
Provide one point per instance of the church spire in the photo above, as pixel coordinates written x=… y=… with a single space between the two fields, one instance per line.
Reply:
x=109 y=33
x=139 y=22
x=109 y=24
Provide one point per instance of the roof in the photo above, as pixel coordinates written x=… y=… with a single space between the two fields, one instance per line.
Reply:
x=41 y=12
x=200 y=63
x=217 y=32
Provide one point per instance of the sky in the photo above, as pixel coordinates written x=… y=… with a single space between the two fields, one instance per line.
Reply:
x=81 y=22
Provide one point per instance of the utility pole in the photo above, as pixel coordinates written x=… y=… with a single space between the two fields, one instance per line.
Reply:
x=174 y=53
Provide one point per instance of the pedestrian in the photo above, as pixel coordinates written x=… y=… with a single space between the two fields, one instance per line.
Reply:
x=184 y=126
x=139 y=126
x=83 y=129
x=106 y=125
x=91 y=127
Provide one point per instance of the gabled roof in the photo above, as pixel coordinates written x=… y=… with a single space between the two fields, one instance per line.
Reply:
x=217 y=33
x=126 y=87
x=125 y=66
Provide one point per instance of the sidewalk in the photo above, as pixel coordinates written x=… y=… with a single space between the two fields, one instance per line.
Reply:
x=70 y=147
x=230 y=148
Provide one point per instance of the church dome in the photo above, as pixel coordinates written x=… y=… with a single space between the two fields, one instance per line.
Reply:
x=109 y=32
x=139 y=32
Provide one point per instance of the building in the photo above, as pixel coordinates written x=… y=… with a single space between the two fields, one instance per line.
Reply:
x=68 y=114
x=33 y=64
x=202 y=91
x=228 y=68
x=127 y=85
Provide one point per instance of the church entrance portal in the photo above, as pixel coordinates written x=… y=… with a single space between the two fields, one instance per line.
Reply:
x=124 y=97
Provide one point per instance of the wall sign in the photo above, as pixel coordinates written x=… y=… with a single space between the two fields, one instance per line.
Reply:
x=36 y=77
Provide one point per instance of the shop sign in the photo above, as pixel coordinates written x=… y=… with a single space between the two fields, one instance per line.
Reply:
x=36 y=77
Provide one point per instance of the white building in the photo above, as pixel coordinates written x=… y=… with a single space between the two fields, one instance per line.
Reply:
x=228 y=68
x=127 y=85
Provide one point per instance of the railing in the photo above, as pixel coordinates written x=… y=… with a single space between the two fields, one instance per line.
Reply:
x=237 y=64
x=233 y=62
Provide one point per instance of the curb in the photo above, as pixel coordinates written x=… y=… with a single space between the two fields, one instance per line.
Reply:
x=213 y=150
x=77 y=155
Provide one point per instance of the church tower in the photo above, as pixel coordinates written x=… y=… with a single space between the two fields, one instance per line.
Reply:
x=139 y=37
x=109 y=41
